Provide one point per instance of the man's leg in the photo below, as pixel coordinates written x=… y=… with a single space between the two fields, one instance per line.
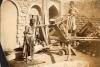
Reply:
x=69 y=51
x=32 y=48
x=69 y=47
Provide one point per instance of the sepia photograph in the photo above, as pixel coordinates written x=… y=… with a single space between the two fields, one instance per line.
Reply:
x=50 y=33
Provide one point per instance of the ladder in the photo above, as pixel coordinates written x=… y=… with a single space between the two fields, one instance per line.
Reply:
x=61 y=27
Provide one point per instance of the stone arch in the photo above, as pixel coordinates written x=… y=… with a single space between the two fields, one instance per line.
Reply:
x=53 y=11
x=38 y=8
x=9 y=20
x=14 y=3
x=35 y=9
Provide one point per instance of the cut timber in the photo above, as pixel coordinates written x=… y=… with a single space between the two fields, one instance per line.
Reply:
x=51 y=56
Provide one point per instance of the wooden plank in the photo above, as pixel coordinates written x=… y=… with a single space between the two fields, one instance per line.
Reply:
x=74 y=39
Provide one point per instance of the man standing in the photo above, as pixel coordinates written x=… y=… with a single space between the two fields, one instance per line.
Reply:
x=71 y=20
x=29 y=39
x=71 y=27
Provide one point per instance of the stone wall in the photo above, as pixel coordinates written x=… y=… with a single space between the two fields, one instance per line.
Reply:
x=23 y=7
x=23 y=11
x=89 y=11
x=81 y=21
x=86 y=8
x=24 y=16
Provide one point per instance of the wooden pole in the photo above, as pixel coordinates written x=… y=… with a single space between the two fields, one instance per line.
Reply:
x=43 y=21
x=47 y=20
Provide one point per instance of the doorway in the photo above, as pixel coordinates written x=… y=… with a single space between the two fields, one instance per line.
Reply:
x=8 y=25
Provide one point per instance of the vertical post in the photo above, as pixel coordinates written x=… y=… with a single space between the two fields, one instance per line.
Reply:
x=46 y=29
x=42 y=11
x=60 y=7
x=45 y=20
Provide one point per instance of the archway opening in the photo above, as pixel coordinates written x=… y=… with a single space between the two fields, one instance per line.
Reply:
x=8 y=25
x=36 y=10
x=53 y=12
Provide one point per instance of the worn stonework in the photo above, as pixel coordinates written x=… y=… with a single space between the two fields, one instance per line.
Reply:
x=24 y=7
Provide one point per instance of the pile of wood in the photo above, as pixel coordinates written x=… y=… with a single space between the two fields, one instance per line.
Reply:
x=89 y=30
x=89 y=47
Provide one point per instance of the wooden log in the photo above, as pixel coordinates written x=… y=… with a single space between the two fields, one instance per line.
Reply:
x=51 y=56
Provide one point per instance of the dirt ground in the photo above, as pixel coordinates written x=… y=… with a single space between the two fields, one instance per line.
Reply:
x=40 y=60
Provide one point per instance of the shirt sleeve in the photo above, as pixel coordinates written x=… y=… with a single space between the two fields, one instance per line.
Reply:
x=26 y=29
